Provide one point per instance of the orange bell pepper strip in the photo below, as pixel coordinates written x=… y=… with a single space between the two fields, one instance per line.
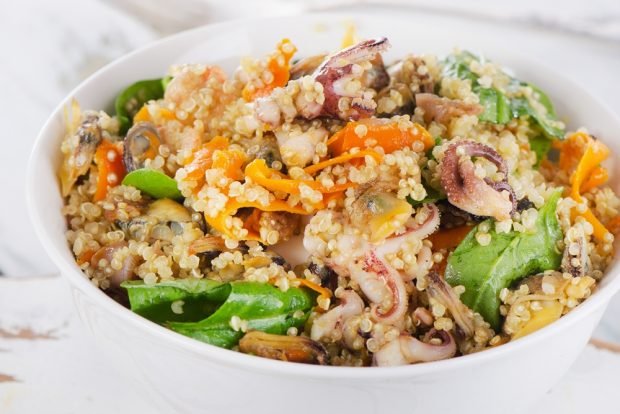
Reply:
x=143 y=115
x=595 y=152
x=381 y=132
x=278 y=64
x=111 y=170
x=262 y=175
x=341 y=159
x=202 y=159
x=326 y=293
x=598 y=177
x=230 y=161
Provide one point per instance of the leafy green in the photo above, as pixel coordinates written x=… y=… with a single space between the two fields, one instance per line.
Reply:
x=547 y=120
x=496 y=106
x=541 y=146
x=154 y=183
x=264 y=307
x=200 y=297
x=457 y=66
x=130 y=100
x=485 y=270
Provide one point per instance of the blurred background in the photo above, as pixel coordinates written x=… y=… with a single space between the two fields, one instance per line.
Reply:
x=48 y=48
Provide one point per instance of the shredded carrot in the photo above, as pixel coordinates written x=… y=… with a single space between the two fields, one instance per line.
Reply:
x=143 y=115
x=449 y=238
x=588 y=173
x=111 y=170
x=231 y=161
x=262 y=175
x=326 y=293
x=614 y=225
x=378 y=132
x=278 y=65
x=598 y=177
x=202 y=159
x=341 y=159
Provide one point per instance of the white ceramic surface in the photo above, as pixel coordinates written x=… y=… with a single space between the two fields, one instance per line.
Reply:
x=189 y=376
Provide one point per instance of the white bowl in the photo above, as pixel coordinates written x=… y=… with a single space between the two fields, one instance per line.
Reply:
x=184 y=375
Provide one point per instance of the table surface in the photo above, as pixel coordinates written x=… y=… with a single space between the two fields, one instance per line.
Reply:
x=48 y=362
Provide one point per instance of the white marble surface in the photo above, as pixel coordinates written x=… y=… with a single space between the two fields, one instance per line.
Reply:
x=47 y=48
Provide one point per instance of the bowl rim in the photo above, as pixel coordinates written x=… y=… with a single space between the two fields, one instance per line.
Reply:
x=77 y=279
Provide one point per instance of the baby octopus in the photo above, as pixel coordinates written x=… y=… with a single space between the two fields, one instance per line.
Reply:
x=345 y=91
x=482 y=197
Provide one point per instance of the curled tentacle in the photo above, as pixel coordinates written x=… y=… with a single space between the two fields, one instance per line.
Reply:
x=339 y=87
x=388 y=309
x=337 y=71
x=468 y=192
x=330 y=324
x=408 y=350
x=418 y=230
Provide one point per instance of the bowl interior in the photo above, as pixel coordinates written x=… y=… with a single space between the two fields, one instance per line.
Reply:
x=224 y=44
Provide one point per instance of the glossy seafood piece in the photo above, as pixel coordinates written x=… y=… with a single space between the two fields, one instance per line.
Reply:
x=408 y=350
x=439 y=290
x=329 y=325
x=470 y=193
x=283 y=348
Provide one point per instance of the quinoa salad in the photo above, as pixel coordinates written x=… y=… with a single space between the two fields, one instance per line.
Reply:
x=339 y=209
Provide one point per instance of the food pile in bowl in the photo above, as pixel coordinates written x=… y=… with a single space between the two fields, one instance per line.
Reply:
x=440 y=203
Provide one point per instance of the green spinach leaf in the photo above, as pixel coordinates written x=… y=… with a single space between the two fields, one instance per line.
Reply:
x=546 y=120
x=201 y=297
x=541 y=146
x=129 y=101
x=486 y=270
x=264 y=307
x=496 y=106
x=154 y=183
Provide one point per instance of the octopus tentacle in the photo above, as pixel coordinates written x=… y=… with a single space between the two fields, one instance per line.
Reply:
x=394 y=284
x=331 y=322
x=470 y=193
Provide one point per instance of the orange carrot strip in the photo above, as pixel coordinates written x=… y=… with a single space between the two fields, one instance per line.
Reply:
x=258 y=171
x=595 y=153
x=111 y=170
x=379 y=132
x=202 y=159
x=278 y=64
x=341 y=159
x=317 y=288
x=598 y=177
